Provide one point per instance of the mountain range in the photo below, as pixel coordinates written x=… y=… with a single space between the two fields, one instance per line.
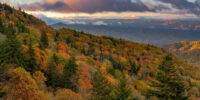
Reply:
x=151 y=31
x=190 y=51
x=38 y=62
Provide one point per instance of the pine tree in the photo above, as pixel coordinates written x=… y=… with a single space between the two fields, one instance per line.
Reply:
x=31 y=61
x=1 y=26
x=134 y=68
x=44 y=39
x=9 y=31
x=169 y=84
x=83 y=51
x=70 y=69
x=57 y=36
x=52 y=77
x=11 y=52
x=122 y=91
x=91 y=50
x=101 y=87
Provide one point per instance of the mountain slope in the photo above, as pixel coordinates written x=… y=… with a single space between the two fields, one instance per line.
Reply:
x=155 y=32
x=46 y=64
x=190 y=51
x=10 y=15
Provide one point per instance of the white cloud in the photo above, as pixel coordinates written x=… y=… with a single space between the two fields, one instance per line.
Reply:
x=134 y=1
x=192 y=1
x=156 y=3
x=19 y=2
x=99 y=23
x=111 y=15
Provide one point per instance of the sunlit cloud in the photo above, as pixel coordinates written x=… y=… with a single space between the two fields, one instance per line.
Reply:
x=19 y=2
x=110 y=15
x=110 y=9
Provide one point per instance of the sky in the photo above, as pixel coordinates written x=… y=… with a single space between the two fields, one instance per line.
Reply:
x=106 y=9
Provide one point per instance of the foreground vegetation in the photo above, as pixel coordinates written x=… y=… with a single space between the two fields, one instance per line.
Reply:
x=40 y=63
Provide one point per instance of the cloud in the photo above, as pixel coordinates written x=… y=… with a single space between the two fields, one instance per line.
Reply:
x=100 y=23
x=185 y=6
x=92 y=6
x=110 y=15
x=51 y=21
x=80 y=8
x=192 y=1
x=58 y=6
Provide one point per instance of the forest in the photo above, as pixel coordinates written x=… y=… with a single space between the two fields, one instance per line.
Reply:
x=189 y=51
x=38 y=62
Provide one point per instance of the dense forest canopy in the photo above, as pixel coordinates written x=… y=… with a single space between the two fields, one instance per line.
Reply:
x=41 y=63
x=190 y=51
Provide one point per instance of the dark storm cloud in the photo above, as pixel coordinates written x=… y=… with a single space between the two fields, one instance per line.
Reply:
x=92 y=6
x=113 y=5
x=58 y=6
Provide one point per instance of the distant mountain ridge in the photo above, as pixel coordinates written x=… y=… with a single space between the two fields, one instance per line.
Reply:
x=153 y=32
x=38 y=62
x=190 y=51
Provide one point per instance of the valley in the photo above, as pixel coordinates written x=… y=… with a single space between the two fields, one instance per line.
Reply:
x=150 y=31
x=41 y=62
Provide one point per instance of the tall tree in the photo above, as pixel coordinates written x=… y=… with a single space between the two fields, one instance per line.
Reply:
x=10 y=31
x=44 y=39
x=169 y=84
x=134 y=68
x=31 y=61
x=70 y=69
x=52 y=77
x=11 y=52
x=57 y=36
x=122 y=91
x=101 y=87
x=1 y=26
x=21 y=86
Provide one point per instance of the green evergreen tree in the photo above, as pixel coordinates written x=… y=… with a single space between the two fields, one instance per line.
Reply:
x=44 y=39
x=122 y=91
x=1 y=26
x=91 y=50
x=11 y=52
x=57 y=36
x=70 y=69
x=102 y=89
x=24 y=28
x=83 y=51
x=31 y=61
x=10 y=31
x=52 y=77
x=101 y=57
x=134 y=68
x=169 y=84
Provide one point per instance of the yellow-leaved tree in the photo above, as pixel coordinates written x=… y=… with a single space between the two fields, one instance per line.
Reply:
x=21 y=86
x=66 y=94
x=40 y=79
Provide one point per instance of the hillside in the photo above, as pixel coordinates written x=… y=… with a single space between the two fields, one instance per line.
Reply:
x=11 y=16
x=40 y=63
x=155 y=32
x=190 y=51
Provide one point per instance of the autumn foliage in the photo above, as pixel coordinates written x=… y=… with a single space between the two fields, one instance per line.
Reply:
x=38 y=62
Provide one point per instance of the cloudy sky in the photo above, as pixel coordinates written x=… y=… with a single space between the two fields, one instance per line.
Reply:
x=71 y=9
